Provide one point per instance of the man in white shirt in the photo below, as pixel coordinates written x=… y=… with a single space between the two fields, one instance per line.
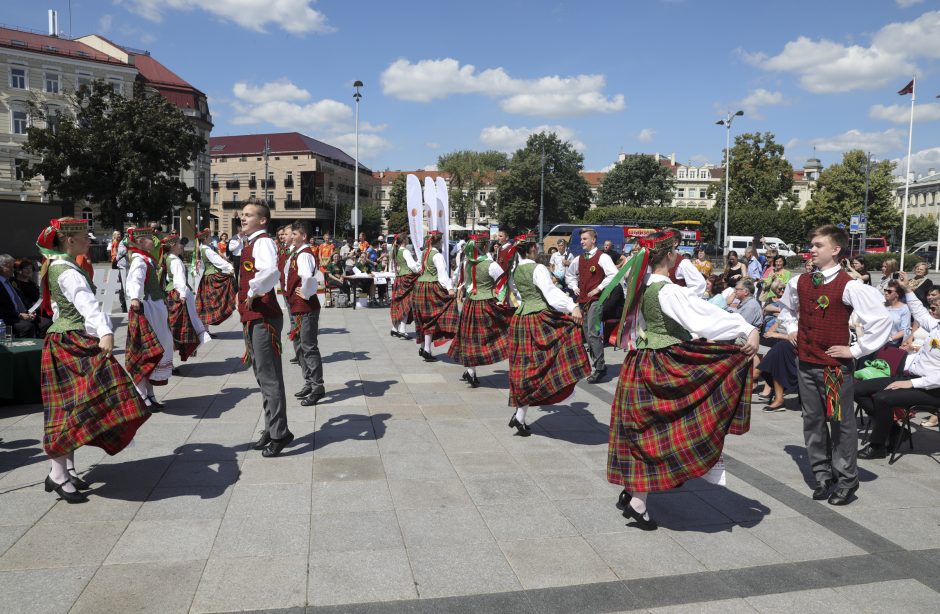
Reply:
x=235 y=245
x=560 y=260
x=301 y=293
x=685 y=274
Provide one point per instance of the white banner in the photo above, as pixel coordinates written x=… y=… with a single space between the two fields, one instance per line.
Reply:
x=415 y=214
x=430 y=203
x=443 y=218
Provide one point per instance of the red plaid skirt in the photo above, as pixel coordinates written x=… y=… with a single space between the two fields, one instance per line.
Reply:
x=87 y=399
x=185 y=339
x=546 y=358
x=143 y=352
x=435 y=312
x=672 y=411
x=482 y=333
x=402 y=294
x=216 y=298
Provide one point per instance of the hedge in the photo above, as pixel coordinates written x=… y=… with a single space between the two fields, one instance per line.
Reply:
x=873 y=261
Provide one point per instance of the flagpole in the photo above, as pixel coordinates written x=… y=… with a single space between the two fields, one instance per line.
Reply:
x=907 y=175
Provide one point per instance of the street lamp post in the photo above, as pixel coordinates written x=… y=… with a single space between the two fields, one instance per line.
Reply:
x=727 y=124
x=357 y=96
x=542 y=200
x=861 y=248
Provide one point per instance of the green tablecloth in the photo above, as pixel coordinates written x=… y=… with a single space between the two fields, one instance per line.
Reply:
x=19 y=371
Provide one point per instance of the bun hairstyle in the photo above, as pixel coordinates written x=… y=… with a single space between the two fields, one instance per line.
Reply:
x=660 y=244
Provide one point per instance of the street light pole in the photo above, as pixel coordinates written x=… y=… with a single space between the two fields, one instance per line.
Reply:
x=727 y=124
x=542 y=200
x=861 y=248
x=357 y=96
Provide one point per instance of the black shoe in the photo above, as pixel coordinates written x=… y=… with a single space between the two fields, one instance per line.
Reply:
x=593 y=378
x=474 y=382
x=872 y=452
x=295 y=361
x=155 y=405
x=843 y=496
x=313 y=398
x=175 y=371
x=522 y=429
x=623 y=500
x=274 y=448
x=640 y=522
x=304 y=392
x=822 y=490
x=68 y=497
x=211 y=335
x=427 y=356
x=466 y=376
x=262 y=442
x=77 y=482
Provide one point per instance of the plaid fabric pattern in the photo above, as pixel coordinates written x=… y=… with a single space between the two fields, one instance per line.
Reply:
x=143 y=352
x=87 y=399
x=248 y=356
x=402 y=295
x=482 y=333
x=296 y=319
x=546 y=358
x=216 y=298
x=672 y=411
x=185 y=340
x=435 y=312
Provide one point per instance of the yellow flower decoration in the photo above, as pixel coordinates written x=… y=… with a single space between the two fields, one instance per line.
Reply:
x=593 y=269
x=248 y=266
x=935 y=344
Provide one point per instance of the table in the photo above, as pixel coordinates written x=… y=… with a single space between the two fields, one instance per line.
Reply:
x=20 y=365
x=365 y=282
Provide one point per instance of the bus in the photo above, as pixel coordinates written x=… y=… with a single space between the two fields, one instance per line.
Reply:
x=623 y=236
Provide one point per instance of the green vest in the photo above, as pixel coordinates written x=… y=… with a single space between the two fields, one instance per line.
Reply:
x=485 y=283
x=661 y=330
x=400 y=263
x=169 y=287
x=153 y=291
x=532 y=299
x=69 y=317
x=207 y=267
x=430 y=271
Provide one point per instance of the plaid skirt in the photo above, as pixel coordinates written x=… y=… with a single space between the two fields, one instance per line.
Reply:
x=482 y=333
x=87 y=399
x=402 y=294
x=672 y=411
x=546 y=358
x=143 y=352
x=216 y=298
x=435 y=312
x=185 y=339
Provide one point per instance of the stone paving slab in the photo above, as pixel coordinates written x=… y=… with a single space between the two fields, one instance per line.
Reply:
x=406 y=491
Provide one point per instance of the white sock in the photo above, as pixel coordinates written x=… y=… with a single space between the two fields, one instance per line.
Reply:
x=472 y=372
x=520 y=413
x=638 y=503
x=401 y=327
x=59 y=473
x=70 y=461
x=427 y=343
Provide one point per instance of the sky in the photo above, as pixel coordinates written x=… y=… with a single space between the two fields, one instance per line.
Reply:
x=633 y=76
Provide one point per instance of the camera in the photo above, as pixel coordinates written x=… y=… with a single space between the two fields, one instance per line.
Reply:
x=895 y=275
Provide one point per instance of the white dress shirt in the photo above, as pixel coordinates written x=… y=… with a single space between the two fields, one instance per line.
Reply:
x=926 y=362
x=266 y=273
x=137 y=276
x=306 y=271
x=556 y=299
x=571 y=275
x=75 y=288
x=235 y=245
x=178 y=272
x=865 y=301
x=693 y=279
x=409 y=260
x=701 y=318
x=443 y=275
x=218 y=261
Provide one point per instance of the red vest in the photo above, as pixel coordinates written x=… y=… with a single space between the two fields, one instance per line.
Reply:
x=590 y=276
x=672 y=274
x=820 y=329
x=264 y=306
x=503 y=256
x=294 y=302
x=282 y=256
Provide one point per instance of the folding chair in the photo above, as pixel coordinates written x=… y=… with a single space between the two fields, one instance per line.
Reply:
x=895 y=359
x=904 y=414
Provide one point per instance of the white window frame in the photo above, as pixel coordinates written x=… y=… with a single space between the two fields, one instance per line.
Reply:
x=116 y=82
x=89 y=216
x=25 y=77
x=83 y=75
x=682 y=174
x=14 y=109
x=46 y=81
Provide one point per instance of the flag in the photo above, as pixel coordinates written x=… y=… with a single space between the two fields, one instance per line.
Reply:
x=907 y=89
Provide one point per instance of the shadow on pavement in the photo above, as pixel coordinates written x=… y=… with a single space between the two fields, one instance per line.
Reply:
x=570 y=423
x=333 y=331
x=229 y=335
x=202 y=369
x=347 y=427
x=19 y=453
x=217 y=404
x=344 y=355
x=798 y=454
x=356 y=388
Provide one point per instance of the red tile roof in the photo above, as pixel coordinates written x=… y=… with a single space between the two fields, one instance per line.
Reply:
x=594 y=178
x=280 y=144
x=388 y=177
x=52 y=45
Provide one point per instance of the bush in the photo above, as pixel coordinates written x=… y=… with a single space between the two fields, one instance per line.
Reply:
x=873 y=261
x=795 y=263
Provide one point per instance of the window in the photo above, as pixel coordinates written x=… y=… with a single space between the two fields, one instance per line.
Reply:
x=680 y=192
x=295 y=157
x=702 y=192
x=52 y=82
x=215 y=198
x=290 y=196
x=251 y=176
x=235 y=196
x=82 y=78
x=18 y=78
x=290 y=174
x=20 y=121
x=277 y=157
x=681 y=174
x=482 y=196
x=19 y=172
x=117 y=85
x=89 y=217
x=243 y=159
x=222 y=160
x=252 y=194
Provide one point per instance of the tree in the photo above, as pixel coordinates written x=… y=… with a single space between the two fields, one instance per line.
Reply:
x=124 y=153
x=760 y=176
x=840 y=194
x=638 y=181
x=396 y=216
x=567 y=193
x=468 y=171
x=921 y=228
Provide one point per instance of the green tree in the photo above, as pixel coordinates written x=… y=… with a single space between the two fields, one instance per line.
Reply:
x=124 y=153
x=567 y=193
x=638 y=181
x=467 y=172
x=921 y=228
x=840 y=194
x=396 y=216
x=760 y=176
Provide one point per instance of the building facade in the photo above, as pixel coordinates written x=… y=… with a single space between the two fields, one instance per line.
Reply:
x=923 y=194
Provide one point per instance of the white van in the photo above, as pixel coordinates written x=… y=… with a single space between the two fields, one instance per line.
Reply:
x=739 y=243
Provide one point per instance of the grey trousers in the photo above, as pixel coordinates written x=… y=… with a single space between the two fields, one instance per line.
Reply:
x=595 y=340
x=832 y=447
x=308 y=352
x=266 y=363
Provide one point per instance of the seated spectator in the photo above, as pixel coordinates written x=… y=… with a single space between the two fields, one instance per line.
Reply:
x=13 y=307
x=900 y=313
x=771 y=309
x=747 y=305
x=888 y=268
x=857 y=270
x=29 y=290
x=778 y=370
x=716 y=292
x=921 y=284
x=335 y=277
x=702 y=263
x=776 y=278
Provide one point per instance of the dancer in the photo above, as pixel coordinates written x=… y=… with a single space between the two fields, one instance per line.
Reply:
x=407 y=271
x=815 y=311
x=677 y=397
x=434 y=304
x=215 y=299
x=301 y=293
x=686 y=274
x=149 y=351
x=262 y=320
x=482 y=329
x=546 y=347
x=88 y=399
x=188 y=330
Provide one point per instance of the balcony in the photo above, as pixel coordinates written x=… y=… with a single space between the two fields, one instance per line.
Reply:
x=268 y=184
x=289 y=182
x=231 y=204
x=215 y=185
x=291 y=203
x=252 y=183
x=232 y=184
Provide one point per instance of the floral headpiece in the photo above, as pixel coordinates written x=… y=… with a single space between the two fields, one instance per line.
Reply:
x=656 y=243
x=66 y=226
x=136 y=234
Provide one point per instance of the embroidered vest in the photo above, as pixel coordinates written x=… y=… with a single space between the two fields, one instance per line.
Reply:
x=297 y=304
x=820 y=329
x=532 y=300
x=588 y=279
x=430 y=270
x=401 y=265
x=169 y=286
x=661 y=330
x=69 y=317
x=503 y=256
x=153 y=288
x=207 y=267
x=485 y=284
x=264 y=306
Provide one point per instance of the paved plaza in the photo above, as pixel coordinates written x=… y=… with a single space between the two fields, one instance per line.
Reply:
x=405 y=491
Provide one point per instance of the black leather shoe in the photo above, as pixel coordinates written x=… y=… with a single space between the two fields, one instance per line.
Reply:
x=843 y=496
x=77 y=482
x=640 y=522
x=872 y=452
x=274 y=448
x=474 y=382
x=155 y=405
x=466 y=376
x=68 y=497
x=522 y=429
x=262 y=442
x=295 y=361
x=313 y=398
x=428 y=356
x=594 y=377
x=623 y=500
x=304 y=392
x=822 y=490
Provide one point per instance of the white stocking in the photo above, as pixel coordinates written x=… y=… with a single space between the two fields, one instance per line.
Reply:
x=520 y=413
x=59 y=473
x=427 y=343
x=638 y=503
x=401 y=327
x=471 y=371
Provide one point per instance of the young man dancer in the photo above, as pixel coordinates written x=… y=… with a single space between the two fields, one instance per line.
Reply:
x=301 y=294
x=587 y=276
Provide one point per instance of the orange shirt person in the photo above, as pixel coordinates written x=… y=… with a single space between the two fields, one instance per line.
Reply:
x=324 y=252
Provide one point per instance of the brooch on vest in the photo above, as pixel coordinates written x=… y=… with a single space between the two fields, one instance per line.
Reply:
x=248 y=266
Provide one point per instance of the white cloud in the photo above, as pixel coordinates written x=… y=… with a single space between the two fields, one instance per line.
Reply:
x=282 y=90
x=917 y=38
x=921 y=161
x=760 y=98
x=646 y=135
x=294 y=16
x=432 y=145
x=901 y=113
x=430 y=168
x=906 y=3
x=551 y=96
x=104 y=24
x=875 y=142
x=504 y=138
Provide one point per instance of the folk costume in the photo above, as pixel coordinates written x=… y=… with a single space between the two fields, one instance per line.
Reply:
x=435 y=310
x=262 y=320
x=215 y=298
x=149 y=352
x=188 y=330
x=817 y=306
x=407 y=271
x=483 y=327
x=687 y=275
x=300 y=274
x=88 y=399
x=546 y=347
x=682 y=388
x=587 y=272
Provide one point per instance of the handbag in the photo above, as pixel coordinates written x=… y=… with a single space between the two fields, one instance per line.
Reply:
x=874 y=368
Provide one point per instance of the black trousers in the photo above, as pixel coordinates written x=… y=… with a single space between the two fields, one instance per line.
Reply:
x=878 y=403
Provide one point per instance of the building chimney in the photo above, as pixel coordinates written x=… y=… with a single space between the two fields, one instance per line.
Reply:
x=53 y=23
x=657 y=156
x=672 y=158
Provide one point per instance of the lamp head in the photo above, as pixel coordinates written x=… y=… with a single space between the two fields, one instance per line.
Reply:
x=739 y=113
x=357 y=85
x=720 y=122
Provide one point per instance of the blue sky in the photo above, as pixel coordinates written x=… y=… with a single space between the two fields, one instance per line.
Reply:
x=633 y=76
